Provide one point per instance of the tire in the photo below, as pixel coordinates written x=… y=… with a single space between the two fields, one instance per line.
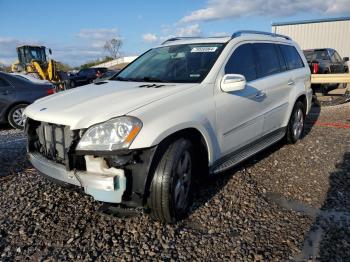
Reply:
x=14 y=116
x=171 y=187
x=71 y=84
x=296 y=123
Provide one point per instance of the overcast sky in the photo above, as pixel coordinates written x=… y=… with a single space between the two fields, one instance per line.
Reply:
x=77 y=30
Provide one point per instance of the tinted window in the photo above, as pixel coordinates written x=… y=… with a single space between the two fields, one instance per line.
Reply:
x=332 y=55
x=242 y=62
x=316 y=55
x=268 y=62
x=4 y=83
x=102 y=69
x=292 y=57
x=83 y=72
x=281 y=59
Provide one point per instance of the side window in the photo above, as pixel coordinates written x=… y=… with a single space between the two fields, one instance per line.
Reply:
x=332 y=56
x=4 y=84
x=338 y=57
x=83 y=72
x=292 y=57
x=242 y=62
x=283 y=64
x=267 y=56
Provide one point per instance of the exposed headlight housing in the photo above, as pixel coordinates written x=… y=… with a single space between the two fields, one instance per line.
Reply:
x=117 y=133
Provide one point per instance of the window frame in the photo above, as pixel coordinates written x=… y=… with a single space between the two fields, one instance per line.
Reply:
x=234 y=49
x=259 y=63
x=285 y=59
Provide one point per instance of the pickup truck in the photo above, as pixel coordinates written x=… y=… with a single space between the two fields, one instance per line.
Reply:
x=86 y=76
x=326 y=61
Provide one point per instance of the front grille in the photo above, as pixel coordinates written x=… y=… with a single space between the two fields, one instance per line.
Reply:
x=55 y=142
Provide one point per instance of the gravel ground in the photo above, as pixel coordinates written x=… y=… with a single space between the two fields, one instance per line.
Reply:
x=289 y=203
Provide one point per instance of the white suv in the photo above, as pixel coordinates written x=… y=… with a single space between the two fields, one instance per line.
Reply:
x=185 y=107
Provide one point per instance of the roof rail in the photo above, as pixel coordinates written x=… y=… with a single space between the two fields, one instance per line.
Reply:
x=243 y=32
x=179 y=38
x=189 y=37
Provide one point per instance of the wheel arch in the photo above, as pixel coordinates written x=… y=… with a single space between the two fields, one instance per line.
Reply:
x=12 y=106
x=302 y=98
x=194 y=135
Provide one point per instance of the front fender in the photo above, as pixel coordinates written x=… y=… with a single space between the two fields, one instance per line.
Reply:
x=155 y=133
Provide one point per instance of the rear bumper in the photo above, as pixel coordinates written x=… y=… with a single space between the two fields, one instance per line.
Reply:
x=107 y=187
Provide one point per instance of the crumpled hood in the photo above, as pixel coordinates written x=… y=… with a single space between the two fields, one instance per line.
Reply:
x=91 y=104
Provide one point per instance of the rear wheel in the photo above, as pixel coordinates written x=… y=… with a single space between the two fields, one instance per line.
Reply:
x=15 y=116
x=296 y=123
x=171 y=187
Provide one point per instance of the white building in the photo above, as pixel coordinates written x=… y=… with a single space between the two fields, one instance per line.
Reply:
x=122 y=61
x=321 y=33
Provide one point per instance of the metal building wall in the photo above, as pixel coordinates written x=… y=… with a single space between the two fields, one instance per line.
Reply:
x=335 y=34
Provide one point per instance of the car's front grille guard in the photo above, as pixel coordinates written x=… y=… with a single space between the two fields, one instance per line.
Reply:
x=50 y=130
x=55 y=142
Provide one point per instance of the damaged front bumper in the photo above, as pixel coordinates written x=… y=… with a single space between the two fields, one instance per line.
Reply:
x=102 y=183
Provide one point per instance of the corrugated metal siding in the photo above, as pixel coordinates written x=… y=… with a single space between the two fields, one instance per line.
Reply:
x=319 y=35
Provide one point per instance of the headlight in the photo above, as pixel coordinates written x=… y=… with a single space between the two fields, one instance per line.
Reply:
x=117 y=133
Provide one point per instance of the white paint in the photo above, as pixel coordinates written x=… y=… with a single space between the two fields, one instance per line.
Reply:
x=227 y=121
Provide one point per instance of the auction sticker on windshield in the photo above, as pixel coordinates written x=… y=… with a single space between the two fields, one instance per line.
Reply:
x=204 y=49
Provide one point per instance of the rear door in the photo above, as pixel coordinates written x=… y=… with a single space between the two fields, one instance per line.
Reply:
x=273 y=80
x=7 y=95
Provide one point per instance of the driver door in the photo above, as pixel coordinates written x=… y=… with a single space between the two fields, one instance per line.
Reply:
x=239 y=114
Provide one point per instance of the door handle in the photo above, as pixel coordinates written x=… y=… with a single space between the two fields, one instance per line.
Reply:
x=291 y=82
x=260 y=95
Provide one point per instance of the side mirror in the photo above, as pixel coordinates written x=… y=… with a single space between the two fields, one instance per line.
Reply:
x=346 y=59
x=50 y=51
x=233 y=82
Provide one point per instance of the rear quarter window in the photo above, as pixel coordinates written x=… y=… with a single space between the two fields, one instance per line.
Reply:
x=292 y=57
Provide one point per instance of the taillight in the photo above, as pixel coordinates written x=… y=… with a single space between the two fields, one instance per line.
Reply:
x=315 y=68
x=50 y=91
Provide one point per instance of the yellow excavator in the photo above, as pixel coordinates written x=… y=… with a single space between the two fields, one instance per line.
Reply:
x=33 y=60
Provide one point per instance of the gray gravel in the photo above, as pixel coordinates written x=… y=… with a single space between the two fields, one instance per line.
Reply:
x=291 y=202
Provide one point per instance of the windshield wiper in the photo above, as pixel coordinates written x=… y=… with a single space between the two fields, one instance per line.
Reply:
x=152 y=79
x=118 y=78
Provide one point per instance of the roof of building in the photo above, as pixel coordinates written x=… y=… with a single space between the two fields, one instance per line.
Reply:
x=325 y=20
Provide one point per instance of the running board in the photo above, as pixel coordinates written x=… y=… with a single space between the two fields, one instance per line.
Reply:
x=248 y=151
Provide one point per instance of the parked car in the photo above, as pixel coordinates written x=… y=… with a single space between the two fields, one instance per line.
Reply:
x=86 y=76
x=326 y=61
x=31 y=78
x=185 y=107
x=16 y=93
x=106 y=76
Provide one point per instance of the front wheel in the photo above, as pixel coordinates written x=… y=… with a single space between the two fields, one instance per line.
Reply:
x=171 y=188
x=15 y=116
x=296 y=123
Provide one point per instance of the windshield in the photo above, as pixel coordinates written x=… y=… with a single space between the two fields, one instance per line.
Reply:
x=316 y=55
x=28 y=53
x=188 y=63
